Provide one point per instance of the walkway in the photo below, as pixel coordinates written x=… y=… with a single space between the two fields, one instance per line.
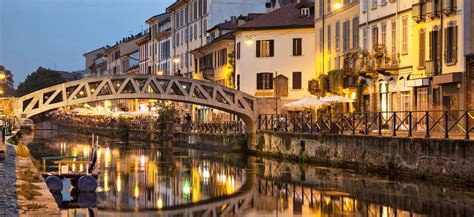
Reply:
x=8 y=198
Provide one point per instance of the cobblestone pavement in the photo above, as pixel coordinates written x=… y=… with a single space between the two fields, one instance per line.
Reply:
x=8 y=197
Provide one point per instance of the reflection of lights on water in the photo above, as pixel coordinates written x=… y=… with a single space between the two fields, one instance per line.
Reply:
x=186 y=187
x=205 y=173
x=230 y=184
x=108 y=158
x=136 y=191
x=159 y=203
x=106 y=181
x=142 y=162
x=119 y=182
x=85 y=151
x=81 y=167
x=327 y=200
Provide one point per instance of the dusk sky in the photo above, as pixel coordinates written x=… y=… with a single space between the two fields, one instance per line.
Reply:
x=55 y=33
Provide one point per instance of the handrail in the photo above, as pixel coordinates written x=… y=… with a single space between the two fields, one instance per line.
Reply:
x=452 y=124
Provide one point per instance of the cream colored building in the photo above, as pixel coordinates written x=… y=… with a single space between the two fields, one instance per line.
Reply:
x=191 y=19
x=421 y=66
x=278 y=45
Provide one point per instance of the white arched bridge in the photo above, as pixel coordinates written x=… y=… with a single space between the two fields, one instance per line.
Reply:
x=158 y=87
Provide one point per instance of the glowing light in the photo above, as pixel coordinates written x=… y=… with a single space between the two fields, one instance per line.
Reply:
x=108 y=158
x=106 y=181
x=81 y=167
x=136 y=191
x=337 y=6
x=159 y=203
x=354 y=95
x=176 y=60
x=206 y=173
x=248 y=41
x=81 y=93
x=92 y=90
x=119 y=183
x=159 y=72
x=186 y=187
x=1 y=91
x=142 y=161
x=3 y=76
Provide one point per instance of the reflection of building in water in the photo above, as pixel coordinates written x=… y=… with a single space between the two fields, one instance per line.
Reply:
x=295 y=199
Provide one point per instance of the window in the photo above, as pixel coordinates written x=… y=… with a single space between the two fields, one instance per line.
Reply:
x=434 y=48
x=321 y=8
x=222 y=57
x=238 y=51
x=384 y=34
x=364 y=6
x=195 y=10
x=305 y=12
x=364 y=38
x=265 y=48
x=374 y=4
x=200 y=8
x=421 y=50
x=297 y=47
x=346 y=27
x=338 y=35
x=265 y=81
x=394 y=40
x=355 y=32
x=451 y=42
x=297 y=80
x=405 y=35
x=238 y=82
x=375 y=36
x=195 y=31
x=204 y=6
x=329 y=39
x=328 y=6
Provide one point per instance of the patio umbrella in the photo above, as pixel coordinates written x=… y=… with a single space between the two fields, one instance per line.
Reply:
x=304 y=103
x=336 y=99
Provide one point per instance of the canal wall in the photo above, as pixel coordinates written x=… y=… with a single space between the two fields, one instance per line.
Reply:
x=208 y=141
x=436 y=159
x=410 y=195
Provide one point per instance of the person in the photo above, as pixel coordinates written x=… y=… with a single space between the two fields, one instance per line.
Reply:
x=188 y=120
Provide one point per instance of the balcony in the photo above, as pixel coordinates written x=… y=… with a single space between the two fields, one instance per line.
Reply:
x=449 y=7
x=432 y=67
x=383 y=62
x=208 y=73
x=419 y=11
x=433 y=9
x=350 y=82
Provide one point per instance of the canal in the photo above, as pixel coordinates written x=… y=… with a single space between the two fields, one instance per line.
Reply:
x=143 y=179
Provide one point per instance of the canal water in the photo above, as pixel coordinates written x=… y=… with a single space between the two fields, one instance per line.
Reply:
x=143 y=179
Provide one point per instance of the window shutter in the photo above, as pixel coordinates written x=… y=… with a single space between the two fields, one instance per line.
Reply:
x=272 y=52
x=258 y=48
x=270 y=79
x=445 y=53
x=259 y=81
x=454 y=51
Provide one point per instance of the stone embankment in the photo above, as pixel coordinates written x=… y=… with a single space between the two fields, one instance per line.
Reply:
x=435 y=159
x=25 y=193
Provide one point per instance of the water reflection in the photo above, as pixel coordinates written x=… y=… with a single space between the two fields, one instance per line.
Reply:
x=161 y=181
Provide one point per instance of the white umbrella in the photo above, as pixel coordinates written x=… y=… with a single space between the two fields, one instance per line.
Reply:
x=304 y=103
x=336 y=99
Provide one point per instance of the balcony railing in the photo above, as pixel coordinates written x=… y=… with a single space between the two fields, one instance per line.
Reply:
x=214 y=127
x=449 y=7
x=428 y=124
x=432 y=68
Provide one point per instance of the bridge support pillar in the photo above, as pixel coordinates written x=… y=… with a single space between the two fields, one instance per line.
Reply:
x=251 y=132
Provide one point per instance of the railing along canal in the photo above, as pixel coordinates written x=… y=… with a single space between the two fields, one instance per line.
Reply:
x=215 y=127
x=454 y=124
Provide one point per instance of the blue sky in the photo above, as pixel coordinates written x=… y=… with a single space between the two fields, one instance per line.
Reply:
x=55 y=33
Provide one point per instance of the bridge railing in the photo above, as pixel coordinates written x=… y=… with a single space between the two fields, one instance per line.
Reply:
x=454 y=124
x=214 y=127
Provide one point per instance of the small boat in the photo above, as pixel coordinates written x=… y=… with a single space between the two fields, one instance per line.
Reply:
x=82 y=181
x=27 y=124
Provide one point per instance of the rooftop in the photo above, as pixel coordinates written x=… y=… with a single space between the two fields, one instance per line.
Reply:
x=288 y=16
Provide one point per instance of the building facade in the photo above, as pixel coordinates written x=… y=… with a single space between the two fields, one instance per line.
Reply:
x=191 y=19
x=274 y=54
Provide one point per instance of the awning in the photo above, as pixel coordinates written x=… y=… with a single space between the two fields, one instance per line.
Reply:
x=448 y=78
x=421 y=82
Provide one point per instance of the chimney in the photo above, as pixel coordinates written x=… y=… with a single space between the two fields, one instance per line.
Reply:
x=268 y=6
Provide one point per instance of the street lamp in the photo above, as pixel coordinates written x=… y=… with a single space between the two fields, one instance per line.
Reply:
x=2 y=76
x=248 y=40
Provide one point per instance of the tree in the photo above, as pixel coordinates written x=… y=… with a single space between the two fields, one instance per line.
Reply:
x=166 y=117
x=40 y=79
x=6 y=83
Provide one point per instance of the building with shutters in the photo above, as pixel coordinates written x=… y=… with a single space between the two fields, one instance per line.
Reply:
x=190 y=20
x=274 y=54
